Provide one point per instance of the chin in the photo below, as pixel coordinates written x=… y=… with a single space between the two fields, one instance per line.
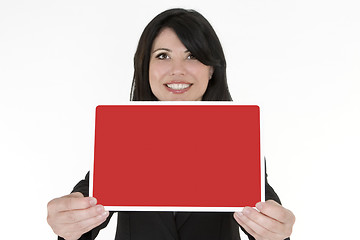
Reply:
x=178 y=97
x=183 y=98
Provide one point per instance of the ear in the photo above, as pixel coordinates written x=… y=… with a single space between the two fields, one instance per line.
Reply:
x=211 y=71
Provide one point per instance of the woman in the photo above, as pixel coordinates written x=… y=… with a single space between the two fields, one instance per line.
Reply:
x=179 y=58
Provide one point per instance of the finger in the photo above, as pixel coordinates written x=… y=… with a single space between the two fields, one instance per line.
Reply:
x=238 y=218
x=101 y=219
x=74 y=194
x=254 y=229
x=275 y=211
x=75 y=230
x=88 y=224
x=74 y=216
x=266 y=222
x=69 y=202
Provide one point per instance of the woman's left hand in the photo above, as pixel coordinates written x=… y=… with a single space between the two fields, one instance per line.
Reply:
x=271 y=222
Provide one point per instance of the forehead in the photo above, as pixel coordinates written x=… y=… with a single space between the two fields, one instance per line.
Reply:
x=167 y=38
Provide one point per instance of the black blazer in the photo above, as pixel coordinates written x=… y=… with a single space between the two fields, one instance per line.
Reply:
x=166 y=226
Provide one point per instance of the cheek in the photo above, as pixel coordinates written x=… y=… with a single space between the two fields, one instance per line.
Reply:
x=157 y=72
x=201 y=72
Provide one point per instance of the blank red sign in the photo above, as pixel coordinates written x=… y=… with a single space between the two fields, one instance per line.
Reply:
x=191 y=156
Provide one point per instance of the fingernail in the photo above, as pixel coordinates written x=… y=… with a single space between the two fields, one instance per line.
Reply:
x=259 y=205
x=92 y=201
x=245 y=210
x=239 y=214
x=103 y=215
x=100 y=209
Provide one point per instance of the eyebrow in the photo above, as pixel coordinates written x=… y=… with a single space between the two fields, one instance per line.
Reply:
x=166 y=49
x=162 y=49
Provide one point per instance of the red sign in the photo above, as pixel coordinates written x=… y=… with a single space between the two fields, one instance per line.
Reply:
x=174 y=157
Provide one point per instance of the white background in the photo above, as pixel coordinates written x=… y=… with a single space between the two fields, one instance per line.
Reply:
x=298 y=59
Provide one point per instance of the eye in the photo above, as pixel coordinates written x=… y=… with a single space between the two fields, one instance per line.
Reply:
x=162 y=56
x=191 y=57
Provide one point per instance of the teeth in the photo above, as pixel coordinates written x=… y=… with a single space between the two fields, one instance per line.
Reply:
x=178 y=86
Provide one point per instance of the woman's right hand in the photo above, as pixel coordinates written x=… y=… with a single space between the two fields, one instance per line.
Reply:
x=73 y=215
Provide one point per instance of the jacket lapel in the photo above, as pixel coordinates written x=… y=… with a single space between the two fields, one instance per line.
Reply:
x=169 y=221
x=180 y=218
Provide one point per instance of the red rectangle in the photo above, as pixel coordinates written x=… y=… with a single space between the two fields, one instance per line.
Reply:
x=174 y=157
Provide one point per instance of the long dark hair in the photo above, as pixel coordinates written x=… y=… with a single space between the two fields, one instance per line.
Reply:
x=198 y=36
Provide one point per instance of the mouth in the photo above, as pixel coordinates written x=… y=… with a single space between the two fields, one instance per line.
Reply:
x=178 y=87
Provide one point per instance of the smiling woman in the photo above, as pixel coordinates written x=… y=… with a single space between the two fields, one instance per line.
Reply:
x=179 y=57
x=179 y=35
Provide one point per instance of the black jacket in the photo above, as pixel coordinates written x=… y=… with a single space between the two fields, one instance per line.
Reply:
x=166 y=226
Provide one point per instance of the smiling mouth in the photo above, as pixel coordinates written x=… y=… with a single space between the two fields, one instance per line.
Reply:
x=178 y=86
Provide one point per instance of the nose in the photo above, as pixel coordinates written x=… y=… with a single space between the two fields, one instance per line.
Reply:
x=177 y=68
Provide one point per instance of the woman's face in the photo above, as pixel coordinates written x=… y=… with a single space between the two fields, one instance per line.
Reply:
x=174 y=73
